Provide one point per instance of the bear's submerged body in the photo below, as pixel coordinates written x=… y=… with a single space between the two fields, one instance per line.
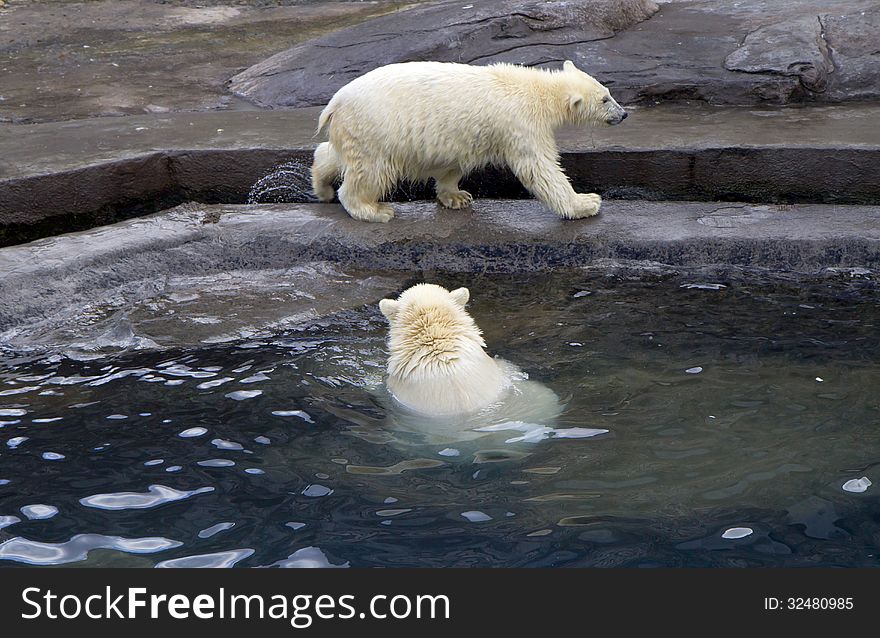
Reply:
x=432 y=120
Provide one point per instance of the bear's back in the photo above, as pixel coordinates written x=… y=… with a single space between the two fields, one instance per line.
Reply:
x=430 y=114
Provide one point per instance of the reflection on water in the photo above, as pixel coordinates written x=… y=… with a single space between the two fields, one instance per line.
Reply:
x=724 y=421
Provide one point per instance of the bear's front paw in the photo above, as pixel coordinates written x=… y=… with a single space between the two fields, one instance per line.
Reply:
x=586 y=205
x=455 y=199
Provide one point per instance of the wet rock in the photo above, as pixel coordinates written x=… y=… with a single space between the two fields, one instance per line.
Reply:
x=256 y=268
x=793 y=48
x=73 y=59
x=854 y=41
x=528 y=32
x=743 y=53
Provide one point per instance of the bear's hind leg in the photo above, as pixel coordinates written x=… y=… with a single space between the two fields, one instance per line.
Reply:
x=448 y=193
x=359 y=195
x=325 y=171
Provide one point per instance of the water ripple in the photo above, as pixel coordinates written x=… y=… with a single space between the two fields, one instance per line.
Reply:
x=6 y=521
x=532 y=433
x=192 y=432
x=16 y=441
x=307 y=557
x=213 y=383
x=23 y=550
x=217 y=559
x=241 y=395
x=39 y=512
x=215 y=529
x=155 y=496
x=223 y=444
x=298 y=413
x=216 y=463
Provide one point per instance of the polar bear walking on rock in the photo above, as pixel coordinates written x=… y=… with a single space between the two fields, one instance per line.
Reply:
x=421 y=120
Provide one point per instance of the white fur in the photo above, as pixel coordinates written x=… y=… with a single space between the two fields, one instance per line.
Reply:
x=420 y=120
x=437 y=364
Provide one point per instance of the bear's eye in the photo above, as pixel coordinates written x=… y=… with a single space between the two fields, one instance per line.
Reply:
x=605 y=100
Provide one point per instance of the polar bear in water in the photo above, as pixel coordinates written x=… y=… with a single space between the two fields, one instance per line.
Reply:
x=447 y=389
x=422 y=120
x=437 y=363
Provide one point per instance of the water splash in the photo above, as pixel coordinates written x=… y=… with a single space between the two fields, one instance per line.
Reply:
x=288 y=183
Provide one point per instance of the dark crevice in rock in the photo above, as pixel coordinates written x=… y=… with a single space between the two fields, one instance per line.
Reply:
x=537 y=44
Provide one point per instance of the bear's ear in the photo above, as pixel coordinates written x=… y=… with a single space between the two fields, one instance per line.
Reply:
x=575 y=102
x=568 y=65
x=460 y=296
x=389 y=307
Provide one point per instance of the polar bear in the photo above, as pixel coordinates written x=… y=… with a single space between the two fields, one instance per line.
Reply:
x=445 y=389
x=437 y=364
x=420 y=120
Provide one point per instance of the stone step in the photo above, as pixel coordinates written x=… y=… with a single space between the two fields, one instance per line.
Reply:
x=132 y=259
x=82 y=173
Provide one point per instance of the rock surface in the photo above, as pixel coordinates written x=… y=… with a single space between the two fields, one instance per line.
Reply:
x=70 y=59
x=450 y=31
x=248 y=250
x=743 y=53
x=76 y=175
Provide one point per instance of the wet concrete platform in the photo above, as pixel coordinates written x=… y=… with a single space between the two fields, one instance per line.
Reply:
x=39 y=149
x=54 y=279
x=83 y=173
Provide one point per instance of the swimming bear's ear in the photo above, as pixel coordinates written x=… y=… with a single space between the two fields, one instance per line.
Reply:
x=389 y=307
x=460 y=296
x=568 y=65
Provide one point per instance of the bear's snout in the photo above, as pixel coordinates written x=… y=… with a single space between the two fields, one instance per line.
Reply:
x=614 y=113
x=616 y=118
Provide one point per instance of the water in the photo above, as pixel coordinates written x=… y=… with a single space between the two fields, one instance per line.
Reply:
x=742 y=429
x=290 y=182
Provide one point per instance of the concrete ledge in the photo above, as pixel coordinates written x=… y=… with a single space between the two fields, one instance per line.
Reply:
x=77 y=175
x=54 y=276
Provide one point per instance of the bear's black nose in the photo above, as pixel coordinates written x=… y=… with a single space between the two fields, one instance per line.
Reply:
x=624 y=116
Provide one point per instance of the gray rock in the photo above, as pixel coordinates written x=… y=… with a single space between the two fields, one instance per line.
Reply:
x=855 y=48
x=744 y=53
x=794 y=48
x=164 y=270
x=528 y=32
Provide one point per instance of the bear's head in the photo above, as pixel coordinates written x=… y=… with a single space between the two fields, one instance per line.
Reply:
x=590 y=102
x=428 y=324
x=423 y=296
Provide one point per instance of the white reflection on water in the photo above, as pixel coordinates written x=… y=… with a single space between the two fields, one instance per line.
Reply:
x=39 y=512
x=215 y=560
x=857 y=485
x=155 y=496
x=241 y=395
x=307 y=557
x=23 y=550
